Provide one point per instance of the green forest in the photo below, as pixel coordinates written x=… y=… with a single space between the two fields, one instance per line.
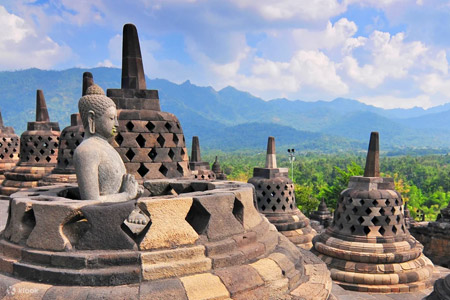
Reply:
x=423 y=181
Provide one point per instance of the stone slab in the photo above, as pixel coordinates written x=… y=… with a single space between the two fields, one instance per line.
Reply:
x=222 y=222
x=99 y=236
x=204 y=286
x=169 y=227
x=168 y=289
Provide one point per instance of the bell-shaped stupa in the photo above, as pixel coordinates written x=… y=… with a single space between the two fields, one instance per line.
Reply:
x=368 y=247
x=200 y=169
x=71 y=137
x=275 y=198
x=322 y=215
x=38 y=151
x=150 y=142
x=220 y=175
x=9 y=148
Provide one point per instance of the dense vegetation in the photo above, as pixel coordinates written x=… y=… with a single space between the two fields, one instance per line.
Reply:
x=423 y=181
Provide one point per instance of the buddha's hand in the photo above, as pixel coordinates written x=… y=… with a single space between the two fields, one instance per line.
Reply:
x=130 y=186
x=140 y=191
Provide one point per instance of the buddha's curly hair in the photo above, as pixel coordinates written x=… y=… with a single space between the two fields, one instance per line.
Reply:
x=94 y=100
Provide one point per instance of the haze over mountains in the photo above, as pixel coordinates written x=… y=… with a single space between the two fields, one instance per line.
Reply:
x=230 y=119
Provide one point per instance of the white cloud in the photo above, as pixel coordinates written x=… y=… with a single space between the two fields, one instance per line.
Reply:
x=115 y=48
x=438 y=61
x=334 y=35
x=23 y=47
x=391 y=57
x=434 y=84
x=307 y=10
x=377 y=3
x=389 y=101
x=306 y=69
x=81 y=12
x=107 y=63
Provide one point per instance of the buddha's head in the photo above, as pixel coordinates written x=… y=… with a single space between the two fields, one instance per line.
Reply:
x=98 y=113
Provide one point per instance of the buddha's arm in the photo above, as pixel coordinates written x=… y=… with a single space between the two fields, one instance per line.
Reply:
x=86 y=167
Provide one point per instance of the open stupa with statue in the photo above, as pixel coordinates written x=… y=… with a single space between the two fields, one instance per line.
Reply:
x=102 y=237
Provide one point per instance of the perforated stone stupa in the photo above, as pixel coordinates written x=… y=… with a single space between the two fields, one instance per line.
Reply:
x=220 y=175
x=70 y=138
x=275 y=198
x=150 y=142
x=368 y=247
x=38 y=151
x=322 y=215
x=9 y=148
x=200 y=169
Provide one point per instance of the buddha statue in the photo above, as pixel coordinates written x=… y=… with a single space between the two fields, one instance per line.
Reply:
x=100 y=171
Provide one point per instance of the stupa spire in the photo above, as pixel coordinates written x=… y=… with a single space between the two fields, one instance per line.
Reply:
x=373 y=157
x=323 y=205
x=195 y=152
x=41 y=108
x=1 y=120
x=133 y=76
x=271 y=157
x=88 y=80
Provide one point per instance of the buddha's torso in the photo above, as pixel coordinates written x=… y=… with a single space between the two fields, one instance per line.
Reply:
x=110 y=166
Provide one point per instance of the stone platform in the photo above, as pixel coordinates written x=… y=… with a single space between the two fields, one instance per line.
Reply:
x=205 y=240
x=31 y=290
x=342 y=294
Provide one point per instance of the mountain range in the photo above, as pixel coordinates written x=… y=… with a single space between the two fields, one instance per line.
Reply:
x=230 y=119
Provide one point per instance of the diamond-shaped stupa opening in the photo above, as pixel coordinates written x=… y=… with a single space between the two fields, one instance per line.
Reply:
x=141 y=141
x=161 y=140
x=130 y=154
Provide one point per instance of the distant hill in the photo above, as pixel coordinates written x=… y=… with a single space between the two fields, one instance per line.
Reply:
x=230 y=119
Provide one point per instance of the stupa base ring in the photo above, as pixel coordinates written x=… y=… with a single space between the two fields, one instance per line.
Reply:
x=186 y=251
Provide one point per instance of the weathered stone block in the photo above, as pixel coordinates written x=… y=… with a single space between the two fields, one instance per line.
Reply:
x=204 y=286
x=240 y=278
x=100 y=236
x=169 y=227
x=223 y=223
x=167 y=289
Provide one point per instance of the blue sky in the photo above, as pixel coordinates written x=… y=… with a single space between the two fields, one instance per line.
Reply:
x=388 y=53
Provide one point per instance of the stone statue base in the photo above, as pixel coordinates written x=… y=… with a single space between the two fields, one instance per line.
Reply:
x=204 y=240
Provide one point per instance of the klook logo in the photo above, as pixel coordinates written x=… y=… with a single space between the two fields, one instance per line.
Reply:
x=11 y=290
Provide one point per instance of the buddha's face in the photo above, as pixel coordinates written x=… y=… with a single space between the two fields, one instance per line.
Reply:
x=106 y=124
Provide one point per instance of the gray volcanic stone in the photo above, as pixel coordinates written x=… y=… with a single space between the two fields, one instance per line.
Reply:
x=133 y=76
x=223 y=222
x=373 y=157
x=50 y=219
x=112 y=236
x=168 y=289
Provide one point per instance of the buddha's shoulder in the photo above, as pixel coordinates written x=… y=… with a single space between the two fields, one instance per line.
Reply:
x=89 y=146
